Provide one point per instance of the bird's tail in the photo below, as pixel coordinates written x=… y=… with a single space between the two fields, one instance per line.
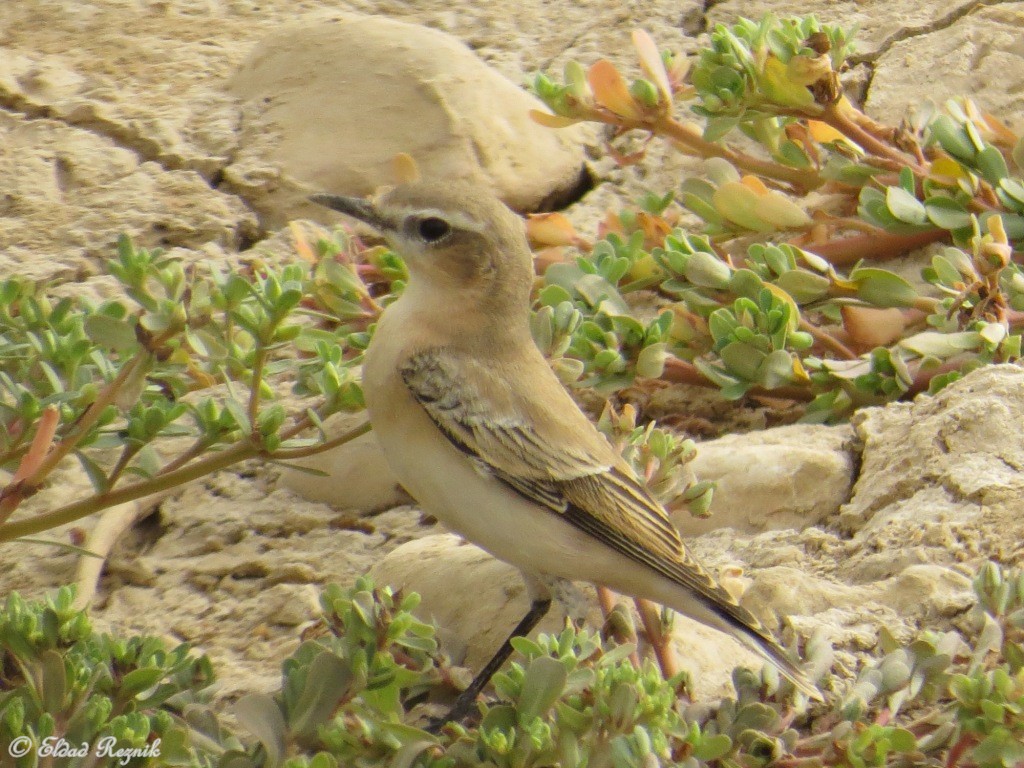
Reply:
x=693 y=592
x=765 y=647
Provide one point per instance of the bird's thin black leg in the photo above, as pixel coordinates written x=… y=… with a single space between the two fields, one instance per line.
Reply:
x=466 y=700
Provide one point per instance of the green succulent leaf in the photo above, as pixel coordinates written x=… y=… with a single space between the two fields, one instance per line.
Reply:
x=905 y=207
x=883 y=288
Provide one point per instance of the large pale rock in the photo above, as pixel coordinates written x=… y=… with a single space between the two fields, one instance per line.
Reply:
x=355 y=474
x=980 y=57
x=959 y=450
x=474 y=598
x=940 y=481
x=330 y=103
x=789 y=477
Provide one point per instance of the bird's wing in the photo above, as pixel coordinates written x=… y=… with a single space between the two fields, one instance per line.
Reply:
x=569 y=467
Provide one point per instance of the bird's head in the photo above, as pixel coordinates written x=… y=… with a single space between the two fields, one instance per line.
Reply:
x=456 y=239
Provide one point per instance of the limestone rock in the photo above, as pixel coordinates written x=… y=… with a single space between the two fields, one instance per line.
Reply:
x=69 y=193
x=789 y=477
x=959 y=443
x=474 y=598
x=330 y=103
x=790 y=591
x=928 y=592
x=357 y=475
x=918 y=592
x=978 y=57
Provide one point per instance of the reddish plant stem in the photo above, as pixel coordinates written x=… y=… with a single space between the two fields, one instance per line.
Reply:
x=828 y=341
x=127 y=454
x=91 y=415
x=606 y=600
x=681 y=372
x=243 y=449
x=922 y=379
x=15 y=492
x=196 y=449
x=837 y=116
x=845 y=222
x=691 y=140
x=283 y=454
x=40 y=444
x=650 y=616
x=84 y=507
x=883 y=245
x=957 y=751
x=799 y=762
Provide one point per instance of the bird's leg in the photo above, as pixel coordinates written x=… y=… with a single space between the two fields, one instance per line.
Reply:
x=538 y=609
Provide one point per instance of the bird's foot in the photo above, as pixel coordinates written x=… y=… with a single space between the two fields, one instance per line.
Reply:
x=462 y=709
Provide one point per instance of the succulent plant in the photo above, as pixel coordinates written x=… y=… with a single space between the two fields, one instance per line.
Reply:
x=65 y=684
x=781 y=318
x=352 y=695
x=770 y=296
x=196 y=354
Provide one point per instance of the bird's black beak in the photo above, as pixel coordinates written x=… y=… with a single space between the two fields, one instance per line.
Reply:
x=356 y=207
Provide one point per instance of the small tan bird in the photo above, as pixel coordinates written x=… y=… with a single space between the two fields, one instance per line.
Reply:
x=481 y=432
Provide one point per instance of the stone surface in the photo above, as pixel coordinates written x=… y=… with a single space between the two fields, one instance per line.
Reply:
x=355 y=474
x=956 y=442
x=329 y=104
x=144 y=76
x=789 y=477
x=445 y=570
x=980 y=58
x=62 y=183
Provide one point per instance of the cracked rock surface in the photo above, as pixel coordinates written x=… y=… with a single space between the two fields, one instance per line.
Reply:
x=980 y=55
x=115 y=116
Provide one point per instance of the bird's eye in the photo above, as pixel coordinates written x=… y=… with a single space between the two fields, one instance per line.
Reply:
x=432 y=229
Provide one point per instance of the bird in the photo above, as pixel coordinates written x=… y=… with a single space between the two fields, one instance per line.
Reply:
x=481 y=432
